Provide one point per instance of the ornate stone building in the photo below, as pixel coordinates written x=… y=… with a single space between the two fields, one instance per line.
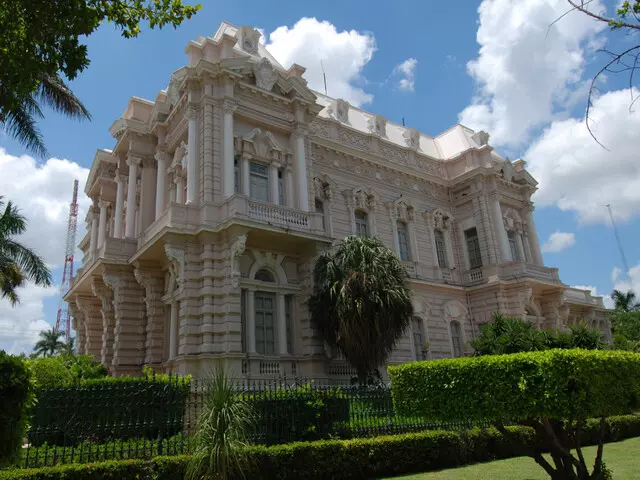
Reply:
x=218 y=195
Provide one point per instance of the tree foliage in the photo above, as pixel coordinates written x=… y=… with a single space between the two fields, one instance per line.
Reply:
x=624 y=61
x=554 y=391
x=17 y=262
x=42 y=41
x=626 y=330
x=504 y=335
x=625 y=301
x=50 y=343
x=361 y=301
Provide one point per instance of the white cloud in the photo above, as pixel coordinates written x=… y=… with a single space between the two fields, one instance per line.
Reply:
x=577 y=174
x=42 y=192
x=526 y=72
x=623 y=282
x=559 y=241
x=20 y=326
x=344 y=55
x=407 y=70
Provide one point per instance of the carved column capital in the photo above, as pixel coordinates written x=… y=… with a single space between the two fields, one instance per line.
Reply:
x=191 y=112
x=133 y=160
x=229 y=107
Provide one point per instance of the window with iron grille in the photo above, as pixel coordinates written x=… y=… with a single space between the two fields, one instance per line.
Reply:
x=441 y=249
x=418 y=338
x=362 y=227
x=456 y=338
x=512 y=245
x=403 y=241
x=259 y=182
x=265 y=313
x=473 y=248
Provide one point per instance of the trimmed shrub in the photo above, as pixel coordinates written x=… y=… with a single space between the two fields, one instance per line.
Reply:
x=297 y=414
x=555 y=392
x=556 y=384
x=65 y=370
x=339 y=459
x=110 y=408
x=16 y=395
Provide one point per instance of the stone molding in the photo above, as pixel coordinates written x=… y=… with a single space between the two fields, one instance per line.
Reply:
x=237 y=250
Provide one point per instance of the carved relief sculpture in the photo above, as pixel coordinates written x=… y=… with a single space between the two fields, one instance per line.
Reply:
x=237 y=249
x=265 y=73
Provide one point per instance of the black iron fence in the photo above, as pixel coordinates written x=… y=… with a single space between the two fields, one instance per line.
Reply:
x=148 y=417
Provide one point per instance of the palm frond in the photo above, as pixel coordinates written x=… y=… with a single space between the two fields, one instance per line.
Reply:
x=32 y=264
x=20 y=123
x=54 y=93
x=11 y=277
x=11 y=221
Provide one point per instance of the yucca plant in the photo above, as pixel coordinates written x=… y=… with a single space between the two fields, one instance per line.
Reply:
x=221 y=436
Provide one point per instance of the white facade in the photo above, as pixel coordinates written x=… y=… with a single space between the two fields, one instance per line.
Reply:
x=218 y=196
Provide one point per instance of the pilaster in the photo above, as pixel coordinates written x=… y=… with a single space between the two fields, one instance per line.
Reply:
x=105 y=295
x=151 y=279
x=90 y=306
x=129 y=336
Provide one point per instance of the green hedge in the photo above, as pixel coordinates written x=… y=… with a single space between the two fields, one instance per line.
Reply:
x=110 y=408
x=339 y=459
x=16 y=394
x=556 y=384
x=297 y=414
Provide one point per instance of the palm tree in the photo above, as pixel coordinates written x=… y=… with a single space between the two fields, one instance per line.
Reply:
x=361 y=302
x=68 y=348
x=20 y=121
x=17 y=262
x=625 y=302
x=49 y=343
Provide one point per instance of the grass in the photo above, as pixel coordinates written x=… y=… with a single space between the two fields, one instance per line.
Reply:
x=621 y=457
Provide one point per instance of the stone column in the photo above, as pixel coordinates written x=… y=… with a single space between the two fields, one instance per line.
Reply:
x=227 y=149
x=288 y=181
x=147 y=194
x=503 y=240
x=273 y=183
x=245 y=175
x=161 y=182
x=117 y=219
x=282 y=324
x=90 y=306
x=173 y=331
x=192 y=155
x=301 y=172
x=133 y=163
x=527 y=247
x=102 y=226
x=178 y=179
x=251 y=322
x=93 y=239
x=536 y=253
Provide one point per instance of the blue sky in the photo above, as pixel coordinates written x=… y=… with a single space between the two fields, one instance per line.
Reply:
x=493 y=64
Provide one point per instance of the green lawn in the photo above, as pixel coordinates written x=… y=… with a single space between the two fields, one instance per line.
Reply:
x=623 y=458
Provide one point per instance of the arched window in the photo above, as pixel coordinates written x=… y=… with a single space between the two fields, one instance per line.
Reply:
x=265 y=275
x=456 y=338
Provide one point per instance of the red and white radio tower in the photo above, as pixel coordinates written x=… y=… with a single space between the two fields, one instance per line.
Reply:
x=64 y=319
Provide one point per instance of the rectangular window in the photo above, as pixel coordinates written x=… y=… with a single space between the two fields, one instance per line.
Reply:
x=362 y=229
x=403 y=242
x=441 y=249
x=281 y=197
x=512 y=245
x=473 y=247
x=236 y=175
x=418 y=338
x=456 y=338
x=265 y=313
x=243 y=319
x=320 y=210
x=259 y=182
x=288 y=311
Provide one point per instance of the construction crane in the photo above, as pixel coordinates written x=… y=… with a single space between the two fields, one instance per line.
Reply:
x=64 y=319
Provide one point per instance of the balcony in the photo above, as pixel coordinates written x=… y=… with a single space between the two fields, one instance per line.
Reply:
x=237 y=209
x=511 y=271
x=430 y=273
x=583 y=297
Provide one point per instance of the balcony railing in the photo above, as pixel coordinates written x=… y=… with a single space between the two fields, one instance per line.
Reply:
x=511 y=271
x=583 y=297
x=278 y=215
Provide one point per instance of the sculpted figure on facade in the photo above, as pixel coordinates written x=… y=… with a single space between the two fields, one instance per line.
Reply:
x=411 y=138
x=265 y=73
x=378 y=125
x=237 y=250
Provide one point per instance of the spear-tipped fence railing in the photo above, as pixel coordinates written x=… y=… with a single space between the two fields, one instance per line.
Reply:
x=148 y=417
